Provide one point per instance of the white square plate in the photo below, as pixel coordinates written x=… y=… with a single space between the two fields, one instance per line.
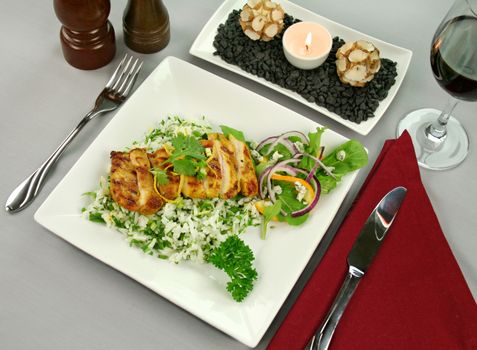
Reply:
x=203 y=48
x=177 y=87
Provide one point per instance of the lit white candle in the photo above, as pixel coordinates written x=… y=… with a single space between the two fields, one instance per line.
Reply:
x=306 y=45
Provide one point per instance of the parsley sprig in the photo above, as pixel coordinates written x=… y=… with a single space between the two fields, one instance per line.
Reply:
x=235 y=258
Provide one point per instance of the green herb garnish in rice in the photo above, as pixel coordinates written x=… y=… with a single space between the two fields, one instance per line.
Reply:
x=183 y=229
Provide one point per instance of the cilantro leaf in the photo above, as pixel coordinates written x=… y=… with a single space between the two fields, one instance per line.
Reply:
x=186 y=146
x=188 y=156
x=184 y=167
x=235 y=258
x=160 y=175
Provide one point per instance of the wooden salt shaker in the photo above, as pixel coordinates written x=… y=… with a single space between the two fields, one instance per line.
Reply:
x=87 y=37
x=146 y=25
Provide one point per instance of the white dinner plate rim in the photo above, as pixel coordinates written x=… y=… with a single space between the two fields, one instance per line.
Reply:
x=54 y=220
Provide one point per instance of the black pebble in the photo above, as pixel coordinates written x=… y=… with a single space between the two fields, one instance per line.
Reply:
x=321 y=85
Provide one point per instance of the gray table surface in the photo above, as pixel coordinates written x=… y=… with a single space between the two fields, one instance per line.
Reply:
x=54 y=296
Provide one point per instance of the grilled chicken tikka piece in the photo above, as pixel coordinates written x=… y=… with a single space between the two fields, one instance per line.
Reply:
x=170 y=190
x=213 y=178
x=225 y=150
x=248 y=182
x=131 y=183
x=229 y=171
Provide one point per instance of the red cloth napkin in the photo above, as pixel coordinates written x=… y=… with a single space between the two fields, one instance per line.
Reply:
x=412 y=297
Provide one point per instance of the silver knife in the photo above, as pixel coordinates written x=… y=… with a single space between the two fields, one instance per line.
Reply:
x=360 y=257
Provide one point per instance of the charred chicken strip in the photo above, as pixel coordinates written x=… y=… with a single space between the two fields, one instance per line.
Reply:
x=246 y=172
x=210 y=186
x=170 y=190
x=131 y=183
x=229 y=171
x=213 y=179
x=193 y=187
x=225 y=150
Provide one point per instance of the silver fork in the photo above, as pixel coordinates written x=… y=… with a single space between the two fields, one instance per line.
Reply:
x=115 y=92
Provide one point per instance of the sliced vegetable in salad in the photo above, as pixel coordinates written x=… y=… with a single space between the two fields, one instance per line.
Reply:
x=204 y=230
x=188 y=167
x=293 y=173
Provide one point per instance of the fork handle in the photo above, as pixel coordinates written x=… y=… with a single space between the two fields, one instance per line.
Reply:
x=24 y=193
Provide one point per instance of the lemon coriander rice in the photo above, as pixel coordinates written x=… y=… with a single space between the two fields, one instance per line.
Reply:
x=207 y=230
x=185 y=229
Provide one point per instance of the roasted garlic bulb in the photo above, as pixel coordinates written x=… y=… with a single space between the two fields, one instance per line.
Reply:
x=262 y=19
x=357 y=62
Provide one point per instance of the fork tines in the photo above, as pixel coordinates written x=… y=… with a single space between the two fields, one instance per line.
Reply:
x=124 y=76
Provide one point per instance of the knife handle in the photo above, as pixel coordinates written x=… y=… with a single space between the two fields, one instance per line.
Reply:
x=322 y=338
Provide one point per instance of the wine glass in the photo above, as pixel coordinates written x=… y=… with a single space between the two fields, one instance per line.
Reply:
x=439 y=139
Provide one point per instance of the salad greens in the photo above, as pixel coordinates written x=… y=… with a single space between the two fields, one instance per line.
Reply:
x=269 y=213
x=344 y=159
x=292 y=175
x=227 y=130
x=290 y=203
x=200 y=230
x=313 y=148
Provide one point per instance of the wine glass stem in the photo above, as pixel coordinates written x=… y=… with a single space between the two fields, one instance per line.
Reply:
x=438 y=129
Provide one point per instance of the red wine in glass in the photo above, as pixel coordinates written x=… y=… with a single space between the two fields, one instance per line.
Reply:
x=454 y=66
x=439 y=139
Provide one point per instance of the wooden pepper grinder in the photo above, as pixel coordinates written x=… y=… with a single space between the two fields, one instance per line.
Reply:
x=87 y=37
x=146 y=25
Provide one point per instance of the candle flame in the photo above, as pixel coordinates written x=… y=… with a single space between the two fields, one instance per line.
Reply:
x=308 y=40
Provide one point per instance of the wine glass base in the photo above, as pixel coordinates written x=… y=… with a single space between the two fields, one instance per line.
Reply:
x=430 y=155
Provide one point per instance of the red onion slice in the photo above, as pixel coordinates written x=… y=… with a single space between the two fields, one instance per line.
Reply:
x=279 y=167
x=263 y=176
x=286 y=166
x=283 y=139
x=265 y=142
x=304 y=139
x=319 y=163
x=285 y=142
x=290 y=146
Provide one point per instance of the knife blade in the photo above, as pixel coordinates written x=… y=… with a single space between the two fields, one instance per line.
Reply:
x=359 y=259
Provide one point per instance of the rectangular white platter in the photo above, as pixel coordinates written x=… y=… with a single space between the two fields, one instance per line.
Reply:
x=176 y=87
x=203 y=48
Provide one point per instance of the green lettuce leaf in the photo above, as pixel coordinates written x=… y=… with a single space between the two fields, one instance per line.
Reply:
x=344 y=159
x=227 y=130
